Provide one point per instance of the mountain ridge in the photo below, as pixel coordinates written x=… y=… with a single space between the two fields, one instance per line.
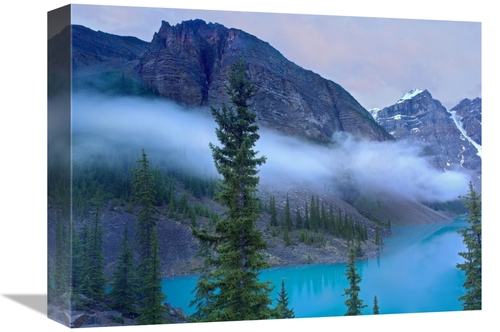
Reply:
x=188 y=64
x=418 y=117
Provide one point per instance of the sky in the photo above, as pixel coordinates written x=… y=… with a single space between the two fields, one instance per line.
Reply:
x=377 y=60
x=23 y=143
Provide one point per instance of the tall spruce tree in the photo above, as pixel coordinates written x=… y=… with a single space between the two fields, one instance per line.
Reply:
x=144 y=195
x=149 y=268
x=123 y=292
x=354 y=303
x=236 y=293
x=152 y=297
x=472 y=266
x=93 y=265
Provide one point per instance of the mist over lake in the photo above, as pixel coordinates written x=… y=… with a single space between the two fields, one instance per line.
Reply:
x=415 y=272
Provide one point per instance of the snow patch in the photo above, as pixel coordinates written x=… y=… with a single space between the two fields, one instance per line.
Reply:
x=409 y=95
x=458 y=123
x=374 y=112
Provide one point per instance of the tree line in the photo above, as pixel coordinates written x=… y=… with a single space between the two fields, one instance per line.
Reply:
x=112 y=174
x=316 y=221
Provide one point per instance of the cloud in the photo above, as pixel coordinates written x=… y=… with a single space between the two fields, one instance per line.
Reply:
x=373 y=167
x=165 y=127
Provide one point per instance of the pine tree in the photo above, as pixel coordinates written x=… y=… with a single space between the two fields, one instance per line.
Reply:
x=236 y=292
x=77 y=260
x=171 y=198
x=94 y=258
x=152 y=297
x=287 y=219
x=62 y=271
x=375 y=305
x=149 y=267
x=298 y=219
x=313 y=220
x=286 y=237
x=358 y=248
x=143 y=195
x=273 y=211
x=282 y=309
x=205 y=288
x=307 y=224
x=472 y=266
x=354 y=303
x=323 y=217
x=123 y=292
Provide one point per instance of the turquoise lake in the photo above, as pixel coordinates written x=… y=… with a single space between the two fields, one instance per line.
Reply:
x=415 y=272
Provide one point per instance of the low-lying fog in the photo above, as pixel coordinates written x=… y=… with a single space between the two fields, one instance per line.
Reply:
x=135 y=123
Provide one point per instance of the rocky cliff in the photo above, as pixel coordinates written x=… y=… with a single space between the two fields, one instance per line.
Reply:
x=420 y=118
x=468 y=113
x=188 y=63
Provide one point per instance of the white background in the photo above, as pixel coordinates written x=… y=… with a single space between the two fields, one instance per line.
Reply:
x=23 y=161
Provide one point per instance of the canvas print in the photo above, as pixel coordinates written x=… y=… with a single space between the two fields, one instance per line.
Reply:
x=209 y=166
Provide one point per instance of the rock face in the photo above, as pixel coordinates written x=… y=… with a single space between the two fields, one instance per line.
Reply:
x=188 y=63
x=99 y=51
x=467 y=116
x=468 y=113
x=420 y=118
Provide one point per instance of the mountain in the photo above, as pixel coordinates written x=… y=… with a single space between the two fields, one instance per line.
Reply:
x=467 y=115
x=99 y=60
x=449 y=139
x=188 y=63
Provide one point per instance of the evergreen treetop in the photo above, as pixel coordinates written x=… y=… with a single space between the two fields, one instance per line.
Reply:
x=354 y=303
x=282 y=307
x=472 y=265
x=235 y=290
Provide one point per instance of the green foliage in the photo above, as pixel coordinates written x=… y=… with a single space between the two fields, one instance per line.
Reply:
x=205 y=288
x=377 y=236
x=143 y=195
x=358 y=248
x=282 y=307
x=302 y=236
x=286 y=238
x=123 y=292
x=232 y=283
x=119 y=320
x=298 y=219
x=472 y=265
x=307 y=224
x=375 y=305
x=61 y=276
x=287 y=219
x=149 y=269
x=354 y=303
x=78 y=258
x=94 y=281
x=272 y=211
x=151 y=295
x=455 y=206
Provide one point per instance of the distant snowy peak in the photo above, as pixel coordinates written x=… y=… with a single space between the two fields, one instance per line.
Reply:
x=374 y=112
x=409 y=95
